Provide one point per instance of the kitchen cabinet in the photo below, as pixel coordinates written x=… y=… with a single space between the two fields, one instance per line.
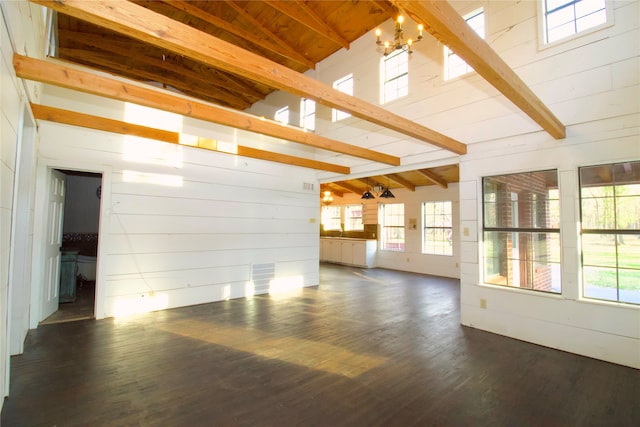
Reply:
x=348 y=251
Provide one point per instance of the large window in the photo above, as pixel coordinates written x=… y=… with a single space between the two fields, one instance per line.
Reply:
x=344 y=85
x=353 y=218
x=308 y=114
x=522 y=231
x=395 y=75
x=438 y=227
x=392 y=227
x=564 y=18
x=331 y=218
x=454 y=66
x=610 y=223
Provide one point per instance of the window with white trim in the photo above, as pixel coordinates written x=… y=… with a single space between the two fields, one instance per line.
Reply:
x=282 y=115
x=344 y=85
x=438 y=228
x=395 y=76
x=562 y=19
x=610 y=231
x=331 y=218
x=353 y=218
x=521 y=225
x=392 y=226
x=454 y=66
x=308 y=114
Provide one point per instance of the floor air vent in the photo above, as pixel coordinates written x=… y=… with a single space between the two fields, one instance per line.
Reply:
x=262 y=275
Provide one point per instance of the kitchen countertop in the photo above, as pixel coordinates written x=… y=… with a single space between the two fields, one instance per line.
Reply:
x=346 y=238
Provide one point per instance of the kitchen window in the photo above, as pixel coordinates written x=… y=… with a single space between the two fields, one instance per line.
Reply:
x=392 y=227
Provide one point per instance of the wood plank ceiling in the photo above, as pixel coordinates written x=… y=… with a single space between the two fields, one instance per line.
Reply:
x=291 y=35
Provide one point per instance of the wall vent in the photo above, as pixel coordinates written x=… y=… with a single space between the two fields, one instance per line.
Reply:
x=262 y=275
x=308 y=186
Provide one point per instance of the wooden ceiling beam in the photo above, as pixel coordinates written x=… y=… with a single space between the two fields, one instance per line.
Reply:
x=444 y=23
x=145 y=25
x=309 y=20
x=259 y=25
x=93 y=57
x=433 y=177
x=321 y=21
x=287 y=52
x=346 y=185
x=128 y=48
x=58 y=115
x=390 y=9
x=400 y=180
x=70 y=78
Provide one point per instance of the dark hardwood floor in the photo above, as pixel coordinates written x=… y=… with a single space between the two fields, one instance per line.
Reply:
x=365 y=348
x=81 y=308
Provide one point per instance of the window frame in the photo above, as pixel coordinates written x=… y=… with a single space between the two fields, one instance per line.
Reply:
x=542 y=25
x=445 y=230
x=329 y=217
x=449 y=56
x=385 y=243
x=337 y=115
x=348 y=217
x=386 y=79
x=512 y=237
x=305 y=115
x=619 y=234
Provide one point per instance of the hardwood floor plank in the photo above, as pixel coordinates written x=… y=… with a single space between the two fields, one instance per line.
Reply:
x=365 y=348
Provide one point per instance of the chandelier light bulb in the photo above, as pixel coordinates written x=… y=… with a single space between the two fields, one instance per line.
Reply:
x=398 y=43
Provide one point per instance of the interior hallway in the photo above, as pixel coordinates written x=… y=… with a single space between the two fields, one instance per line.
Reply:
x=365 y=348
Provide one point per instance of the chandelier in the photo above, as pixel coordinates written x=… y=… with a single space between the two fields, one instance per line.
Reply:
x=327 y=199
x=398 y=43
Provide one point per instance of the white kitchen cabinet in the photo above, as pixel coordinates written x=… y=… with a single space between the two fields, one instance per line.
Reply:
x=324 y=249
x=347 y=252
x=342 y=250
x=359 y=253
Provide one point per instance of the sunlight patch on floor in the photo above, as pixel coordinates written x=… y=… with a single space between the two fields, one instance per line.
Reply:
x=307 y=353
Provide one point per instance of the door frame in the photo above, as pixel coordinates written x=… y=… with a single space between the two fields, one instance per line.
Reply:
x=43 y=180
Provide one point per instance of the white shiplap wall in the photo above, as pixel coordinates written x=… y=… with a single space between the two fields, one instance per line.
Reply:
x=182 y=225
x=591 y=83
x=20 y=30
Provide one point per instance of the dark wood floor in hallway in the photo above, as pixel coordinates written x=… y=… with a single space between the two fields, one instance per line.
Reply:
x=365 y=348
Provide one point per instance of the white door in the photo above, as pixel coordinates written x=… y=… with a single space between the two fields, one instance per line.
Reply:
x=54 y=243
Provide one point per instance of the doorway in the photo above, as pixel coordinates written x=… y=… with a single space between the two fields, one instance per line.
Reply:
x=79 y=247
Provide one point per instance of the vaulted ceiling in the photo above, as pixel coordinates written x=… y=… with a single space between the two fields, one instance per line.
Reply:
x=295 y=34
x=232 y=54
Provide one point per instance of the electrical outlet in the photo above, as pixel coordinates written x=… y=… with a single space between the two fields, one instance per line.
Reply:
x=483 y=303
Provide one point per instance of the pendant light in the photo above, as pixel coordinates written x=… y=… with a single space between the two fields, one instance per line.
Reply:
x=387 y=194
x=367 y=194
